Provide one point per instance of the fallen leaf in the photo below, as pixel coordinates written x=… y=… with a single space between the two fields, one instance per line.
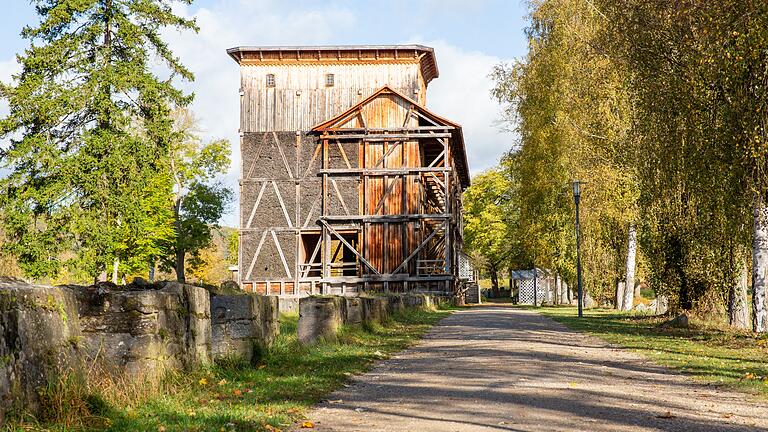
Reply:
x=237 y=392
x=666 y=415
x=307 y=425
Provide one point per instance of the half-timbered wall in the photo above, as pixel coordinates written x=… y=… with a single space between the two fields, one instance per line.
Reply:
x=371 y=201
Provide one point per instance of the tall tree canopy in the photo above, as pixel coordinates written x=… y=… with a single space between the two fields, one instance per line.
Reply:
x=662 y=108
x=488 y=221
x=198 y=204
x=571 y=108
x=90 y=130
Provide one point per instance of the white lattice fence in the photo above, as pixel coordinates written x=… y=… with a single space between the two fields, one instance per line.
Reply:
x=526 y=293
x=466 y=272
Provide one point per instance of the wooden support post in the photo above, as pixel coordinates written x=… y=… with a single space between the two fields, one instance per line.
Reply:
x=326 y=235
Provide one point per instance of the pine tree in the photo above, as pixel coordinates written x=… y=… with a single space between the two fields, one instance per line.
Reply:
x=90 y=131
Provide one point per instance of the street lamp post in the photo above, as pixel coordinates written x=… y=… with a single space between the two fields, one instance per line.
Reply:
x=576 y=198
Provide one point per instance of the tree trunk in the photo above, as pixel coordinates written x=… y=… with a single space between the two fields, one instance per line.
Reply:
x=738 y=312
x=115 y=270
x=152 y=271
x=180 y=267
x=495 y=282
x=760 y=266
x=620 y=287
x=629 y=287
x=180 y=252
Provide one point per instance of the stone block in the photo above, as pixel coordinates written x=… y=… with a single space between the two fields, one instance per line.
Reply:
x=146 y=331
x=289 y=305
x=318 y=317
x=241 y=323
x=374 y=309
x=40 y=339
x=421 y=301
x=353 y=311
x=395 y=304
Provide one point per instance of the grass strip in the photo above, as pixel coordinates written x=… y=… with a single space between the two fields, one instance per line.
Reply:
x=232 y=396
x=713 y=353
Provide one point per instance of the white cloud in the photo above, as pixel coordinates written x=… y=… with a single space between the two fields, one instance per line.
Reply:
x=217 y=81
x=7 y=69
x=462 y=93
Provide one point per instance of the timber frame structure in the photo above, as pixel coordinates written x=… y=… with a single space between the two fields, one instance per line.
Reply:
x=366 y=199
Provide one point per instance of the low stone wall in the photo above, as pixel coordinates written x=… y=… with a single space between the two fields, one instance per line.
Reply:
x=289 y=305
x=145 y=332
x=137 y=331
x=39 y=340
x=321 y=317
x=243 y=325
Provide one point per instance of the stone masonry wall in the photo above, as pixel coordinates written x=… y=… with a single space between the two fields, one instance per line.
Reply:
x=39 y=340
x=243 y=325
x=137 y=331
x=321 y=317
x=143 y=333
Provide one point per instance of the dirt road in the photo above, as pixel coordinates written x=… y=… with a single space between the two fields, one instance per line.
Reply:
x=501 y=369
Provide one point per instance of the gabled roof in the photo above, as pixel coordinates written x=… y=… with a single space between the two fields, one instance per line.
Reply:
x=457 y=141
x=339 y=54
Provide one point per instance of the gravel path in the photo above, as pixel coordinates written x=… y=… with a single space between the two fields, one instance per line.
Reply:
x=500 y=369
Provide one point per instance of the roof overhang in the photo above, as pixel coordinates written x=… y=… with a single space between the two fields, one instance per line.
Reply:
x=425 y=56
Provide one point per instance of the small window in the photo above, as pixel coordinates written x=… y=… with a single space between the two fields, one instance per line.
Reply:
x=329 y=80
x=270 y=80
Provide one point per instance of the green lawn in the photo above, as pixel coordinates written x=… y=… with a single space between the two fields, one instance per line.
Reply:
x=716 y=354
x=268 y=397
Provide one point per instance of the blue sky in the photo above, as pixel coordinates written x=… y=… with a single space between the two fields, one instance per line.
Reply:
x=469 y=37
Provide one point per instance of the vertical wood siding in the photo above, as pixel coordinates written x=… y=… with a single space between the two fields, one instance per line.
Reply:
x=301 y=100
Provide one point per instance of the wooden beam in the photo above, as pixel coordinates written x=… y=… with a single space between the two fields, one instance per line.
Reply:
x=383 y=172
x=394 y=129
x=256 y=205
x=384 y=218
x=351 y=248
x=416 y=251
x=282 y=204
x=386 y=137
x=280 y=252
x=256 y=255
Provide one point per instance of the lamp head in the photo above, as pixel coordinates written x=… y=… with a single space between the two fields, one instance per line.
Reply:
x=576 y=184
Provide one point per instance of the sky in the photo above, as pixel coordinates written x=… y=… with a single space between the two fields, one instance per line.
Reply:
x=469 y=38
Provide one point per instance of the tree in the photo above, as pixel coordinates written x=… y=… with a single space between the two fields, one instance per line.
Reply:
x=486 y=224
x=570 y=106
x=699 y=71
x=197 y=204
x=90 y=131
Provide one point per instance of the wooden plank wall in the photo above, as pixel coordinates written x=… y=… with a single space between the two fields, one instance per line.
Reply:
x=301 y=100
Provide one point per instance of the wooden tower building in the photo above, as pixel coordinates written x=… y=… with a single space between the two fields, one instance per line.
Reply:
x=347 y=183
